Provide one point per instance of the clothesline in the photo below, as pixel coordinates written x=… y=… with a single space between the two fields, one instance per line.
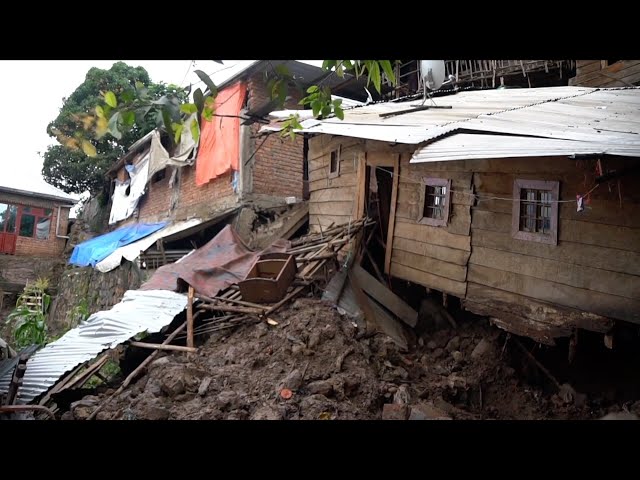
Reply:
x=480 y=198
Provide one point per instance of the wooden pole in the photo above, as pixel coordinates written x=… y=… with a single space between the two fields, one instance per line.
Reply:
x=158 y=346
x=190 y=317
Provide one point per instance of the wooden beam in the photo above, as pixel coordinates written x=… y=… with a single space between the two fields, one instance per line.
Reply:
x=392 y=215
x=190 y=341
x=385 y=296
x=158 y=346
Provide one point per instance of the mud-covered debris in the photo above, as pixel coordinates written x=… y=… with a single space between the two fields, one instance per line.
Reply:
x=395 y=411
x=482 y=349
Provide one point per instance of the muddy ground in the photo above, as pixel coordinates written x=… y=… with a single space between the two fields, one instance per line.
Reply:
x=311 y=366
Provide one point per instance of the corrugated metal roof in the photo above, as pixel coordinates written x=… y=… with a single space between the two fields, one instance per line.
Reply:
x=139 y=311
x=132 y=251
x=479 y=146
x=35 y=187
x=570 y=113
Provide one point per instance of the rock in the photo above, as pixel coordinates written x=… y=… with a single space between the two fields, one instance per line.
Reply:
x=438 y=352
x=508 y=371
x=67 y=416
x=314 y=339
x=313 y=406
x=154 y=387
x=456 y=381
x=457 y=356
x=322 y=387
x=402 y=395
x=297 y=350
x=162 y=361
x=82 y=409
x=401 y=372
x=231 y=354
x=424 y=360
x=454 y=344
x=351 y=386
x=260 y=330
x=204 y=386
x=620 y=416
x=154 y=412
x=395 y=411
x=291 y=381
x=266 y=413
x=420 y=342
x=172 y=386
x=431 y=345
x=328 y=332
x=481 y=349
x=427 y=411
x=227 y=399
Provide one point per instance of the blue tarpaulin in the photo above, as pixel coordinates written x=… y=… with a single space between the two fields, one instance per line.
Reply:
x=98 y=248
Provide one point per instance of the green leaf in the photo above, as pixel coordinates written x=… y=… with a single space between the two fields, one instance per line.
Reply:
x=339 y=112
x=283 y=70
x=195 y=131
x=374 y=75
x=166 y=118
x=178 y=132
x=388 y=70
x=312 y=88
x=326 y=111
x=127 y=96
x=337 y=102
x=198 y=99
x=208 y=82
x=139 y=85
x=282 y=92
x=316 y=106
x=207 y=114
x=188 y=108
x=328 y=64
x=110 y=99
x=128 y=118
x=113 y=125
x=99 y=111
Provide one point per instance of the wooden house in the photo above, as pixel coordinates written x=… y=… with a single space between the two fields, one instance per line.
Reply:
x=520 y=202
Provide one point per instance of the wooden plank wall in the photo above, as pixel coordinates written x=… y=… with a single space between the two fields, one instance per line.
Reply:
x=332 y=199
x=589 y=73
x=596 y=265
x=435 y=257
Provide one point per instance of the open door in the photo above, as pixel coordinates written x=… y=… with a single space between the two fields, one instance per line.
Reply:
x=381 y=185
x=8 y=236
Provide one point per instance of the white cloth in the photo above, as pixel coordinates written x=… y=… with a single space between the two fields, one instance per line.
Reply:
x=128 y=193
x=159 y=157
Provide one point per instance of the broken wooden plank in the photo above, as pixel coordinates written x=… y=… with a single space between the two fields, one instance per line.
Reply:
x=385 y=296
x=392 y=215
x=389 y=325
x=190 y=316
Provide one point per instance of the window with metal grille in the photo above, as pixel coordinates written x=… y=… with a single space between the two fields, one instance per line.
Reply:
x=435 y=202
x=535 y=214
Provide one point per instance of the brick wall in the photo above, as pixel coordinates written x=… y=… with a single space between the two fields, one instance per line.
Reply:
x=51 y=247
x=278 y=165
x=191 y=201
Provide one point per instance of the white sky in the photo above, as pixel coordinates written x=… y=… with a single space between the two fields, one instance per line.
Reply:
x=31 y=95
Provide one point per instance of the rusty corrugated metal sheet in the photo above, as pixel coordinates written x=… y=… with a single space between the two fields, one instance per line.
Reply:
x=139 y=311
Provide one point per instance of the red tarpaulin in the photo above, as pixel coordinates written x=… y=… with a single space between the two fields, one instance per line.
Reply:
x=223 y=261
x=219 y=149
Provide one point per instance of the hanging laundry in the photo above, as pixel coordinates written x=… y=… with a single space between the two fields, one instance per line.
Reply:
x=159 y=158
x=128 y=193
x=219 y=148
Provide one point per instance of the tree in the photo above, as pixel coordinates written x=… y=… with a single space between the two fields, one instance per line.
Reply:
x=80 y=161
x=122 y=110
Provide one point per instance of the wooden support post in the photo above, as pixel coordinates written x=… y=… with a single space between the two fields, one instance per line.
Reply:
x=392 y=215
x=190 y=296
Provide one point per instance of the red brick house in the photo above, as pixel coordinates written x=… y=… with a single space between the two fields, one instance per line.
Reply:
x=264 y=169
x=33 y=219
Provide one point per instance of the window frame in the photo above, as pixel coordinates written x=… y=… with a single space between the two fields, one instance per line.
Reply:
x=338 y=152
x=547 y=185
x=38 y=214
x=434 y=182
